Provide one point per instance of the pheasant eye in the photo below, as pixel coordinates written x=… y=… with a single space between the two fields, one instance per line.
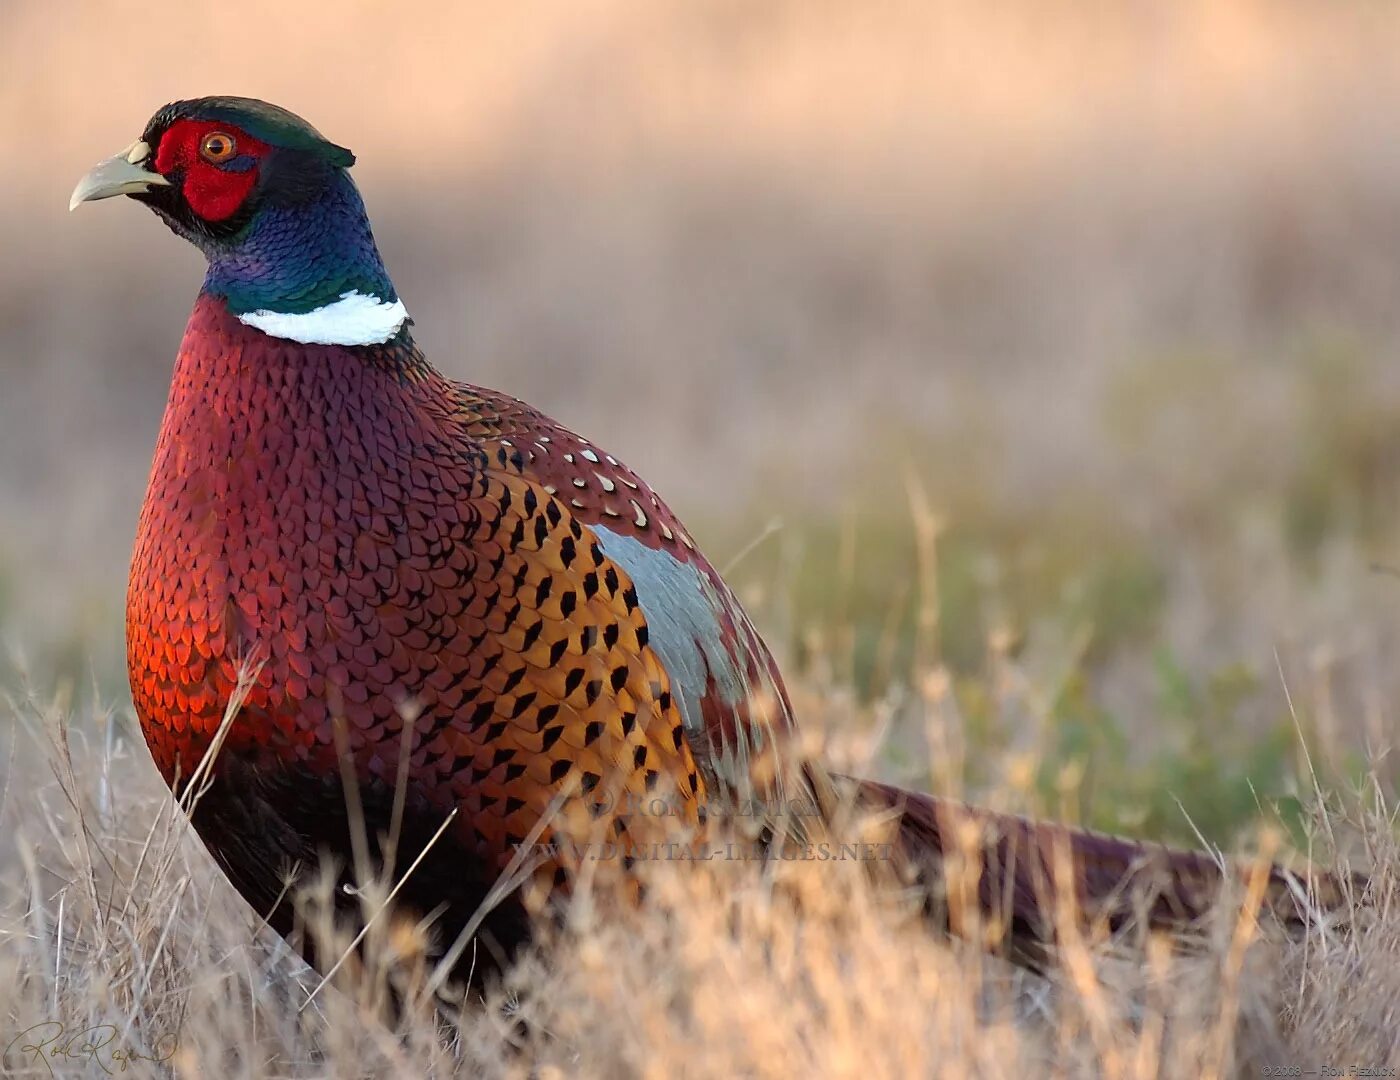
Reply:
x=217 y=147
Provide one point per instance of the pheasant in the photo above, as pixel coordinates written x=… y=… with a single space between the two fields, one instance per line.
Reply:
x=438 y=612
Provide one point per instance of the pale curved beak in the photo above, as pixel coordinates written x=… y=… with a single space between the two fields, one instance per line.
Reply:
x=120 y=175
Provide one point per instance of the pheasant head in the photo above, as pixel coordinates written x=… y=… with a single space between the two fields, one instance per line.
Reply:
x=270 y=202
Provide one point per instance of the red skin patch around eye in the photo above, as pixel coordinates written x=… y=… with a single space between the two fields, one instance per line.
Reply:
x=213 y=193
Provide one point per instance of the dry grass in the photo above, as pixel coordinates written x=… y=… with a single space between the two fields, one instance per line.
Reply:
x=113 y=919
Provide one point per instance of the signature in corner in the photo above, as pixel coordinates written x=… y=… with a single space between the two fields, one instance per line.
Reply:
x=52 y=1041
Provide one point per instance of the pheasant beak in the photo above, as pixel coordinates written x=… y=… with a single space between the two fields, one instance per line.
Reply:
x=120 y=175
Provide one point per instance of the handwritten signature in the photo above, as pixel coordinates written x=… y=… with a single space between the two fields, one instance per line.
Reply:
x=51 y=1041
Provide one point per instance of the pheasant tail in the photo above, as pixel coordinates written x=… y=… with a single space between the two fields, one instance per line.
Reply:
x=1020 y=879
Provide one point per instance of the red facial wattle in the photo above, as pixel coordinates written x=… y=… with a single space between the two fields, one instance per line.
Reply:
x=213 y=191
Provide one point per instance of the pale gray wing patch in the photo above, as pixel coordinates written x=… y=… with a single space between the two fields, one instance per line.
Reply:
x=687 y=613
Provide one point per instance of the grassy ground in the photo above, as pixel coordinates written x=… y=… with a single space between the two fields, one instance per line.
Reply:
x=123 y=950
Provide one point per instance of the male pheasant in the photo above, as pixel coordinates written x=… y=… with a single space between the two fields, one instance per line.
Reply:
x=410 y=569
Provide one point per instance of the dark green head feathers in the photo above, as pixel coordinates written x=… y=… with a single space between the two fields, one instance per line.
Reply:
x=270 y=123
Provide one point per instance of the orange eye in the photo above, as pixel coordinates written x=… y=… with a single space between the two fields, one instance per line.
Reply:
x=217 y=147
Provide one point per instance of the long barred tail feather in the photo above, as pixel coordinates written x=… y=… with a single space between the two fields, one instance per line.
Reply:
x=1014 y=880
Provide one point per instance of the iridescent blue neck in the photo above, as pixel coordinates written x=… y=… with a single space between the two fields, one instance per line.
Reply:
x=300 y=258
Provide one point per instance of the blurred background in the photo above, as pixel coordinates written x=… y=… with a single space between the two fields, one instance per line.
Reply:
x=1031 y=368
